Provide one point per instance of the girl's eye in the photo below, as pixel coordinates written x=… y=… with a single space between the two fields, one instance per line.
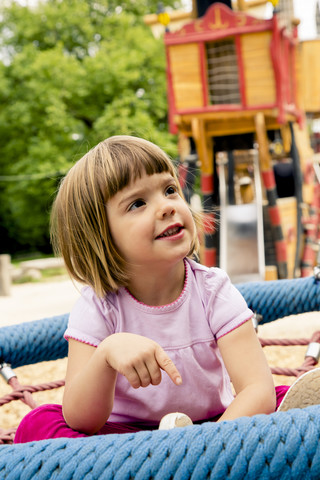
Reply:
x=136 y=204
x=171 y=190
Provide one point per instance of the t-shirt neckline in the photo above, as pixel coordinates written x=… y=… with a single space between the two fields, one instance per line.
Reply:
x=163 y=308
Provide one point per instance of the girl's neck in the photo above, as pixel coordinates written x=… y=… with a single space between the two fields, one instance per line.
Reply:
x=160 y=286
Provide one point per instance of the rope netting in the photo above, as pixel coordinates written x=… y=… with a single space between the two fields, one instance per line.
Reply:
x=283 y=445
x=257 y=447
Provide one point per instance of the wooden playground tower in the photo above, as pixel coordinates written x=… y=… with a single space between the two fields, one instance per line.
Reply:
x=232 y=76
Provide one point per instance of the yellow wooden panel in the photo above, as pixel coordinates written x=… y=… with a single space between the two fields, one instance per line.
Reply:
x=271 y=273
x=186 y=75
x=258 y=69
x=310 y=75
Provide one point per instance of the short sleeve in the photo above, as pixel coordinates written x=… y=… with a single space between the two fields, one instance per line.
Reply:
x=226 y=307
x=91 y=319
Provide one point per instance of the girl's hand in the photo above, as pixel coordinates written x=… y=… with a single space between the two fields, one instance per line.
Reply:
x=139 y=359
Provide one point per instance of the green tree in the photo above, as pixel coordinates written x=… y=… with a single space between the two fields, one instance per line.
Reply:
x=73 y=73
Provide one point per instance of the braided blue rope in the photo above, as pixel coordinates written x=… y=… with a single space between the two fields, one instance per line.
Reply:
x=34 y=342
x=281 y=298
x=281 y=445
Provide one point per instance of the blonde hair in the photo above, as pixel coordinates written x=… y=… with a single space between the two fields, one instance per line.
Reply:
x=79 y=227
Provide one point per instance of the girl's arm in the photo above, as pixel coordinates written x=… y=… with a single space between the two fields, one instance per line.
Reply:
x=249 y=373
x=89 y=388
x=92 y=372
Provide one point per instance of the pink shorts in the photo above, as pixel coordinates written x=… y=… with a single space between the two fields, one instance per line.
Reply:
x=47 y=421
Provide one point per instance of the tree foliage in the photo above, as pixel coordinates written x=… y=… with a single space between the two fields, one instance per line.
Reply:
x=73 y=72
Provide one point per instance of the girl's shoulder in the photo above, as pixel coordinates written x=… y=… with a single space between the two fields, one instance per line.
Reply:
x=205 y=271
x=92 y=318
x=225 y=307
x=105 y=304
x=210 y=279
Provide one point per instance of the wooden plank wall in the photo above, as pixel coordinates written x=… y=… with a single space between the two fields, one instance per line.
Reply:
x=309 y=75
x=258 y=69
x=186 y=75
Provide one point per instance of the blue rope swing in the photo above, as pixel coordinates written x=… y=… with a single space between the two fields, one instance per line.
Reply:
x=282 y=445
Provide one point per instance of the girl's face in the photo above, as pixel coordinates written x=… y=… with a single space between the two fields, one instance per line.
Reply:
x=150 y=222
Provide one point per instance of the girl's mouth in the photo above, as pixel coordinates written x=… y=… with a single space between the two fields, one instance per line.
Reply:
x=170 y=232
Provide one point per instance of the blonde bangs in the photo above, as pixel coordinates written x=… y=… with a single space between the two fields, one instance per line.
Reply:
x=129 y=159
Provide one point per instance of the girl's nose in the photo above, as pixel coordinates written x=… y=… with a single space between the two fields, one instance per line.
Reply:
x=166 y=209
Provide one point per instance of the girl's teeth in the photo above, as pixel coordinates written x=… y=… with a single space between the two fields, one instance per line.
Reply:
x=172 y=231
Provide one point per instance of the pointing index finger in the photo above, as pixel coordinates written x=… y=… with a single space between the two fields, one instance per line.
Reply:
x=166 y=364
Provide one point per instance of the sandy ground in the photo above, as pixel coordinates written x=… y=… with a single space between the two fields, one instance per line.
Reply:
x=33 y=301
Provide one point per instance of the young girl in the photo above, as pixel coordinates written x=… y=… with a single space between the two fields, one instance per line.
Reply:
x=153 y=332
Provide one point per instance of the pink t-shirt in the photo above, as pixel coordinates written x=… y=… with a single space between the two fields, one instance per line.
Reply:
x=187 y=329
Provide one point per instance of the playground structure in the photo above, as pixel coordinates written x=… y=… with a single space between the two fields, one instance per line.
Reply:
x=239 y=88
x=282 y=444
